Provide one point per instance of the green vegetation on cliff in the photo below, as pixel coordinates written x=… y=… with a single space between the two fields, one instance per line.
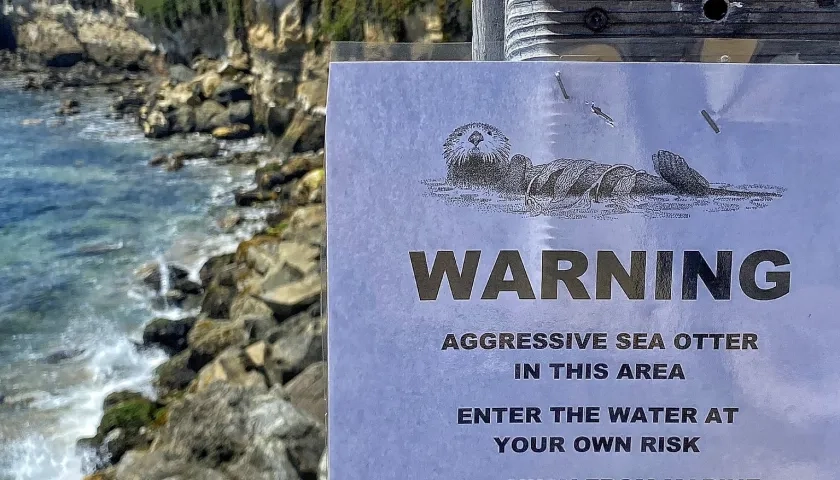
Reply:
x=171 y=13
x=344 y=20
x=340 y=20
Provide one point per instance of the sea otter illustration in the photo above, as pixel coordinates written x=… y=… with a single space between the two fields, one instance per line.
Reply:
x=477 y=156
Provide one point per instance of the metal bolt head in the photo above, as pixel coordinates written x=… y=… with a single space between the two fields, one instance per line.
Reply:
x=596 y=19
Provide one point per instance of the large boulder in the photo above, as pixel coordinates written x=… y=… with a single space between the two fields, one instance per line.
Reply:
x=173 y=375
x=181 y=119
x=151 y=275
x=236 y=131
x=170 y=335
x=294 y=345
x=244 y=306
x=159 y=466
x=305 y=133
x=209 y=338
x=231 y=366
x=297 y=166
x=306 y=225
x=114 y=45
x=50 y=42
x=217 y=300
x=241 y=112
x=247 y=198
x=307 y=391
x=221 y=269
x=230 y=92
x=310 y=188
x=61 y=37
x=211 y=115
x=206 y=148
x=231 y=432
x=123 y=427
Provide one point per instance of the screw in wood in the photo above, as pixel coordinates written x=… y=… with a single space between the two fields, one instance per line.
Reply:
x=596 y=19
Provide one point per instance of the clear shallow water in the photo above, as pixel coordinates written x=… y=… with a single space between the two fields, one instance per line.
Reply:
x=66 y=189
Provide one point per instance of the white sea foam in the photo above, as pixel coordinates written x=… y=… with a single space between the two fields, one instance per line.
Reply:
x=50 y=453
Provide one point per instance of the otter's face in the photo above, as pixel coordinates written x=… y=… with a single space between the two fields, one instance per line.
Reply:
x=477 y=154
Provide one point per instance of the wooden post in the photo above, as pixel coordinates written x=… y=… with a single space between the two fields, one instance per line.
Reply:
x=488 y=38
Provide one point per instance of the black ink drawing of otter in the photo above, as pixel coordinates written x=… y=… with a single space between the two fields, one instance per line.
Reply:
x=478 y=156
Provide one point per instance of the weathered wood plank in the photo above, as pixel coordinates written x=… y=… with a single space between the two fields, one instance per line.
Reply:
x=684 y=17
x=542 y=29
x=640 y=6
x=488 y=40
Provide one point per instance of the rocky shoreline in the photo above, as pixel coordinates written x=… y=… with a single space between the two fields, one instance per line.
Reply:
x=243 y=392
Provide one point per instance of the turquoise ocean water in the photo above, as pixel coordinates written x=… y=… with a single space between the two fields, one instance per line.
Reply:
x=80 y=211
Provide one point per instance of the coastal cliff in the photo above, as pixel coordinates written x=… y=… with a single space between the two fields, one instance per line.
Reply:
x=241 y=395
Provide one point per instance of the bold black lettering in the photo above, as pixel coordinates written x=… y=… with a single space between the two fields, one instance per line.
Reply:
x=719 y=284
x=780 y=280
x=460 y=283
x=664 y=274
x=608 y=266
x=508 y=259
x=551 y=274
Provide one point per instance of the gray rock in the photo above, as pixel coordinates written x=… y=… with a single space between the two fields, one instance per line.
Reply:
x=62 y=355
x=295 y=345
x=246 y=158
x=115 y=398
x=181 y=73
x=235 y=432
x=290 y=262
x=207 y=148
x=291 y=298
x=305 y=133
x=68 y=107
x=279 y=117
x=151 y=276
x=173 y=164
x=158 y=160
x=229 y=222
x=308 y=389
x=241 y=112
x=232 y=367
x=170 y=335
x=173 y=375
x=247 y=198
x=306 y=225
x=231 y=92
x=157 y=465
x=246 y=305
x=182 y=119
x=116 y=444
x=128 y=103
x=258 y=326
x=209 y=338
x=217 y=301
x=187 y=286
x=216 y=267
x=210 y=115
